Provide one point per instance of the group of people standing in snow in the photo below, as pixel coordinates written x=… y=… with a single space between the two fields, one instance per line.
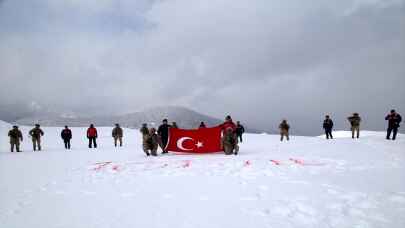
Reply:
x=393 y=118
x=152 y=139
x=231 y=134
x=16 y=137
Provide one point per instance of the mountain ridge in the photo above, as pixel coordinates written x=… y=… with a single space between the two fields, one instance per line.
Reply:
x=184 y=117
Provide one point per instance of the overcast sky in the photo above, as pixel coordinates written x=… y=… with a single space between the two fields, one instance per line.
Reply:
x=259 y=60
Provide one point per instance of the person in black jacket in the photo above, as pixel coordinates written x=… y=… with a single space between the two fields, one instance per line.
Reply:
x=328 y=126
x=394 y=119
x=163 y=132
x=202 y=125
x=66 y=135
x=239 y=131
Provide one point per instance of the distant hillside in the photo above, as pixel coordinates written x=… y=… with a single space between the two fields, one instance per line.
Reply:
x=185 y=118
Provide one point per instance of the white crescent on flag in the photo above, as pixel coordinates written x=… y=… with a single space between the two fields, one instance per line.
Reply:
x=181 y=141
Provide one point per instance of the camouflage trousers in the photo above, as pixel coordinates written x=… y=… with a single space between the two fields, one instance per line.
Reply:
x=231 y=149
x=355 y=129
x=116 y=140
x=152 y=149
x=284 y=133
x=15 y=143
x=36 y=142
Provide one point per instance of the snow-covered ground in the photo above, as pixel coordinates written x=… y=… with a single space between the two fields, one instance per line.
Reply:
x=306 y=182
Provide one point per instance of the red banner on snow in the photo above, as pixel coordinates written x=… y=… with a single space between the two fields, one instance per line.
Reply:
x=202 y=140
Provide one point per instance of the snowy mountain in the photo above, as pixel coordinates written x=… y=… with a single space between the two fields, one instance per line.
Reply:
x=304 y=183
x=185 y=118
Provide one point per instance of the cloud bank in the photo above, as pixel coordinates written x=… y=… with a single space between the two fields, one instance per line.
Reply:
x=259 y=60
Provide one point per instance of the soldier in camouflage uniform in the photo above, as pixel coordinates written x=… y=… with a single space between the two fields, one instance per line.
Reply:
x=151 y=143
x=174 y=125
x=36 y=133
x=144 y=131
x=117 y=134
x=15 y=138
x=355 y=124
x=230 y=142
x=284 y=129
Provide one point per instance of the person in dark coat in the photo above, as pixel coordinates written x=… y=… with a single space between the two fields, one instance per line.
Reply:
x=202 y=125
x=284 y=129
x=15 y=138
x=66 y=135
x=117 y=134
x=328 y=126
x=394 y=119
x=239 y=131
x=92 y=136
x=163 y=132
x=36 y=133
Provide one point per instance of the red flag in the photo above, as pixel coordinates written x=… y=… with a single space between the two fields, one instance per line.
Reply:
x=203 y=140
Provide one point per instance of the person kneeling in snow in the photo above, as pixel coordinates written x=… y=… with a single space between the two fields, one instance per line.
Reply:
x=230 y=142
x=151 y=143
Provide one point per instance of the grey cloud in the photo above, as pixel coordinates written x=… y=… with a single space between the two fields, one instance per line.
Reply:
x=258 y=60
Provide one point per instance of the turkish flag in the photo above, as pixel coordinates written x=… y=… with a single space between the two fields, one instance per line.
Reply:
x=202 y=140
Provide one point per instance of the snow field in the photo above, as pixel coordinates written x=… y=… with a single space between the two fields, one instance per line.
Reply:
x=306 y=182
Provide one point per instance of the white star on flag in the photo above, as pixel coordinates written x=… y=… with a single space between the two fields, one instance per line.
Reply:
x=199 y=144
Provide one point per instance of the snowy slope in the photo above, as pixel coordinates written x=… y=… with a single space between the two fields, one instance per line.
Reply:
x=340 y=183
x=4 y=128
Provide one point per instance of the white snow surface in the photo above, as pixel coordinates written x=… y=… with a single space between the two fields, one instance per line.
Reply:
x=342 y=183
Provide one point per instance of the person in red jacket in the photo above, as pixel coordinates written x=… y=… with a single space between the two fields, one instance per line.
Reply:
x=228 y=127
x=228 y=124
x=92 y=136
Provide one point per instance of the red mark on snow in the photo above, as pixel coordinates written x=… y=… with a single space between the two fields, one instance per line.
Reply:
x=247 y=163
x=116 y=168
x=101 y=165
x=297 y=161
x=302 y=162
x=276 y=162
